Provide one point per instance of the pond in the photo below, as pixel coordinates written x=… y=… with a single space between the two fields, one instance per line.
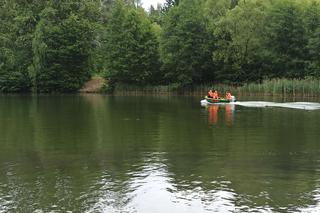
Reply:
x=96 y=153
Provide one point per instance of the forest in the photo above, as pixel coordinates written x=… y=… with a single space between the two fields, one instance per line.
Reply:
x=57 y=45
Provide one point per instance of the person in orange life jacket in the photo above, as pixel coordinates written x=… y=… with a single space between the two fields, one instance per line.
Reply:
x=228 y=95
x=210 y=94
x=215 y=95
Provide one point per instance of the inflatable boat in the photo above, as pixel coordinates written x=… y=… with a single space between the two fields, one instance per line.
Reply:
x=207 y=100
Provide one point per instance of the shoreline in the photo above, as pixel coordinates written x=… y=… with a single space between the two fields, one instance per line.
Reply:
x=308 y=88
x=273 y=87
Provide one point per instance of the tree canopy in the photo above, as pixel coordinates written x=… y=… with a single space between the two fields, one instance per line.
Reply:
x=56 y=45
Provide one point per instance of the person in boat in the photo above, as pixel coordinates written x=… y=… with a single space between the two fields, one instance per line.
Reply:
x=215 y=95
x=210 y=94
x=228 y=95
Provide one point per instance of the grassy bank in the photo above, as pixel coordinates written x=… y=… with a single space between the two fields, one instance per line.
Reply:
x=127 y=89
x=306 y=87
x=275 y=87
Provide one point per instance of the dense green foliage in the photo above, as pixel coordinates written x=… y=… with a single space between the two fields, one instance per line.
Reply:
x=185 y=45
x=56 y=45
x=46 y=44
x=286 y=40
x=18 y=22
x=236 y=55
x=62 y=45
x=130 y=46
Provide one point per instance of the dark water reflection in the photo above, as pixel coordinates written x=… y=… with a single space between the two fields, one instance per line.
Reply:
x=97 y=153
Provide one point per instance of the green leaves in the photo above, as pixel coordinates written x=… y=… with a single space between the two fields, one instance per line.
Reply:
x=63 y=43
x=130 y=46
x=46 y=44
x=17 y=24
x=286 y=39
x=55 y=45
x=238 y=41
x=186 y=45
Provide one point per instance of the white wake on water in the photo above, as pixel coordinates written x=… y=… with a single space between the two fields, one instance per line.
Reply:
x=261 y=104
x=292 y=105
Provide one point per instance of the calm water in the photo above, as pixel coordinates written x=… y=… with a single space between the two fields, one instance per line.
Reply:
x=95 y=153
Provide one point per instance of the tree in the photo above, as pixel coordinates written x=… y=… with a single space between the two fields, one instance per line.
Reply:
x=285 y=40
x=216 y=9
x=130 y=46
x=155 y=15
x=185 y=45
x=18 y=21
x=312 y=24
x=62 y=45
x=169 y=4
x=106 y=6
x=238 y=41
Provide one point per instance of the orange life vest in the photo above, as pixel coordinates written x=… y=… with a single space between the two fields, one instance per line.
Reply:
x=215 y=95
x=228 y=96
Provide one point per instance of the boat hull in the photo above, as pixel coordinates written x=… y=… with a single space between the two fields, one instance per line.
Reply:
x=219 y=100
x=207 y=100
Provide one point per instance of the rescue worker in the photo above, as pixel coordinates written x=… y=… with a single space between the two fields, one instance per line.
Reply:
x=215 y=95
x=228 y=95
x=210 y=94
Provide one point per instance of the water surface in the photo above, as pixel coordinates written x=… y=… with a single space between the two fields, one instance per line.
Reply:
x=95 y=153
